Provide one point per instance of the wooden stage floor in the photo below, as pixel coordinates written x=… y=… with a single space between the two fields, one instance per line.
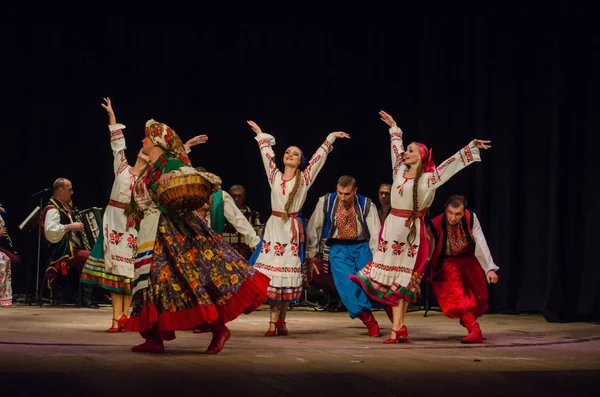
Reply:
x=52 y=351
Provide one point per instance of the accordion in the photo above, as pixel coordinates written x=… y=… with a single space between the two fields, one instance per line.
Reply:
x=92 y=226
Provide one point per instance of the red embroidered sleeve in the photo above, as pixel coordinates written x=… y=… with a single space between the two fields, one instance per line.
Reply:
x=268 y=157
x=117 y=144
x=446 y=170
x=397 y=147
x=316 y=162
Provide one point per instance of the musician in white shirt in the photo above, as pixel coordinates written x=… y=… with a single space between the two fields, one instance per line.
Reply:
x=64 y=247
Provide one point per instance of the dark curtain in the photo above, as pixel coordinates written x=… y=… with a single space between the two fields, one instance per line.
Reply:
x=528 y=83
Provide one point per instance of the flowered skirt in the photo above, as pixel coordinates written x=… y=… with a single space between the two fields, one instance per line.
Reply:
x=95 y=273
x=196 y=280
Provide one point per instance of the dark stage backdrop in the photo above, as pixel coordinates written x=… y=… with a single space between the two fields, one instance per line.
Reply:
x=529 y=84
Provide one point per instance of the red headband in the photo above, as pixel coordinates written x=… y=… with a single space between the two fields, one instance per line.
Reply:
x=427 y=162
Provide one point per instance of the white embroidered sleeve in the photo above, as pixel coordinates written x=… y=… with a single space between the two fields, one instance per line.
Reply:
x=397 y=147
x=317 y=161
x=482 y=251
x=53 y=229
x=314 y=229
x=374 y=226
x=265 y=144
x=463 y=158
x=235 y=217
x=117 y=144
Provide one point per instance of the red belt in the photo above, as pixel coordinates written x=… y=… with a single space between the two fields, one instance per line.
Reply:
x=297 y=229
x=117 y=204
x=407 y=214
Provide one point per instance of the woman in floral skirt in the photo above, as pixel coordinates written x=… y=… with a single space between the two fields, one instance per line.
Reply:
x=186 y=276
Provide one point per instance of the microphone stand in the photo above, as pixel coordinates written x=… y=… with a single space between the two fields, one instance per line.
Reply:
x=39 y=247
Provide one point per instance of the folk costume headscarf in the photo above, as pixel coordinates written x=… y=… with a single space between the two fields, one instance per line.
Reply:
x=427 y=161
x=166 y=138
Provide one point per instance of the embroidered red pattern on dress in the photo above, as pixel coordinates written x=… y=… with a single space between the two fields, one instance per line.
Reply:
x=264 y=143
x=123 y=165
x=116 y=135
x=266 y=247
x=272 y=168
x=412 y=251
x=306 y=172
x=295 y=248
x=392 y=268
x=327 y=146
x=468 y=155
x=115 y=237
x=382 y=247
x=280 y=269
x=398 y=247
x=131 y=241
x=120 y=258
x=279 y=249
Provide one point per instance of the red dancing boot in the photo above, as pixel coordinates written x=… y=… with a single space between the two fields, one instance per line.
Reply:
x=220 y=335
x=369 y=321
x=470 y=322
x=474 y=336
x=150 y=346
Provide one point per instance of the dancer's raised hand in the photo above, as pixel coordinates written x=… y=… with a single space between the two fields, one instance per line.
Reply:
x=107 y=105
x=254 y=126
x=386 y=118
x=197 y=140
x=341 y=134
x=481 y=144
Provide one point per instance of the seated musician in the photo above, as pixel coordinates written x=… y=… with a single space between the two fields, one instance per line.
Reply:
x=224 y=216
x=232 y=233
x=64 y=246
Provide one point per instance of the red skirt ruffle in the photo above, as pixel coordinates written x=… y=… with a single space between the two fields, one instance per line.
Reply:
x=252 y=293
